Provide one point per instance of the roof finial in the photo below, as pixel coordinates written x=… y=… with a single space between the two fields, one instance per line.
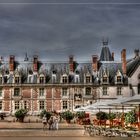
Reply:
x=105 y=41
x=26 y=57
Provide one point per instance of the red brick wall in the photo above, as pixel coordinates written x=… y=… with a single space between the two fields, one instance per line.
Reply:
x=48 y=92
x=6 y=93
x=7 y=105
x=26 y=92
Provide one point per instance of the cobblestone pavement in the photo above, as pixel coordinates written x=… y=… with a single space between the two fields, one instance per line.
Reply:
x=35 y=129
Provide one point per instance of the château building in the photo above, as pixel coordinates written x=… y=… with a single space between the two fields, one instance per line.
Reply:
x=36 y=85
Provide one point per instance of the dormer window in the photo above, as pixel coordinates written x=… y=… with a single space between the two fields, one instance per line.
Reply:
x=42 y=79
x=16 y=92
x=17 y=80
x=65 y=79
x=88 y=79
x=76 y=78
x=119 y=80
x=53 y=78
x=105 y=79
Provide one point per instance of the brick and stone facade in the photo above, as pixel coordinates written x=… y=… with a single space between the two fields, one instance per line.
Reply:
x=36 y=85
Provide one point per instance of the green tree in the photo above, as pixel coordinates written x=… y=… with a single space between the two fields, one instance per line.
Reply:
x=20 y=114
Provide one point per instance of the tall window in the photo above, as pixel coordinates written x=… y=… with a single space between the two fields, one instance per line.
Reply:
x=64 y=79
x=16 y=92
x=30 y=79
x=54 y=78
x=87 y=79
x=119 y=79
x=16 y=105
x=1 y=80
x=88 y=91
x=76 y=78
x=65 y=104
x=104 y=90
x=119 y=91
x=42 y=79
x=25 y=105
x=41 y=92
x=17 y=81
x=0 y=105
x=104 y=79
x=41 y=105
x=64 y=91
x=0 y=92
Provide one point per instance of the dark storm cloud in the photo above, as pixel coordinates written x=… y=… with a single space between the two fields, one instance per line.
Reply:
x=55 y=31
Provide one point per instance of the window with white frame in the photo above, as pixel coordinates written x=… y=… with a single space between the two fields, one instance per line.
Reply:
x=17 y=105
x=41 y=79
x=30 y=79
x=41 y=105
x=119 y=90
x=105 y=79
x=65 y=104
x=64 y=79
x=64 y=91
x=25 y=105
x=0 y=92
x=41 y=91
x=88 y=91
x=53 y=78
x=105 y=91
x=88 y=79
x=17 y=80
x=119 y=79
x=76 y=78
x=0 y=105
x=16 y=91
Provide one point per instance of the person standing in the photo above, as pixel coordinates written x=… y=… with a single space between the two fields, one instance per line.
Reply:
x=44 y=121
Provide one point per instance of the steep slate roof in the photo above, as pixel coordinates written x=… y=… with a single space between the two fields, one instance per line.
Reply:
x=105 y=54
x=132 y=65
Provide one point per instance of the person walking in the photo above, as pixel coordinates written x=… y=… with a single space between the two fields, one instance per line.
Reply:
x=56 y=122
x=44 y=121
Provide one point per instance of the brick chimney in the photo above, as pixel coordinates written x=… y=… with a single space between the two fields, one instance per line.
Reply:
x=123 y=58
x=136 y=52
x=11 y=62
x=95 y=62
x=35 y=63
x=112 y=56
x=71 y=63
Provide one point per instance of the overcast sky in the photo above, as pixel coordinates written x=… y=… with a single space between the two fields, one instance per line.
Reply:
x=55 y=29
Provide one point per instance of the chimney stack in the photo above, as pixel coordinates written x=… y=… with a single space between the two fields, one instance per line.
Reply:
x=95 y=62
x=35 y=63
x=123 y=58
x=113 y=56
x=12 y=63
x=136 y=53
x=71 y=63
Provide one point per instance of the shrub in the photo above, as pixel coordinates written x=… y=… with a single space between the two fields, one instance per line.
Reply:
x=130 y=117
x=111 y=116
x=20 y=114
x=102 y=116
x=80 y=115
x=67 y=115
